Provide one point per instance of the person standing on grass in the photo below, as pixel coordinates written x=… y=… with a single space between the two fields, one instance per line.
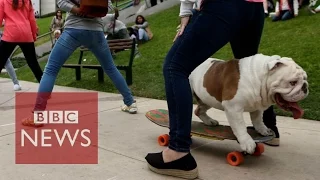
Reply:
x=80 y=29
x=20 y=30
x=57 y=24
x=238 y=22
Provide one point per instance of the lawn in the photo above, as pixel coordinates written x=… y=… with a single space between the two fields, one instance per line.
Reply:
x=43 y=24
x=296 y=38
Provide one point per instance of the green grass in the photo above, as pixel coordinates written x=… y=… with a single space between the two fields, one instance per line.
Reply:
x=297 y=38
x=43 y=24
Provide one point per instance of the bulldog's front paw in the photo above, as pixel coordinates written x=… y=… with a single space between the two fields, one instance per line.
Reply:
x=263 y=130
x=247 y=144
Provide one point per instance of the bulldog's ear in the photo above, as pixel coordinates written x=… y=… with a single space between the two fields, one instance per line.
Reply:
x=272 y=65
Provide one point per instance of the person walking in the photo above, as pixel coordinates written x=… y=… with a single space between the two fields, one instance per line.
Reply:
x=11 y=72
x=80 y=29
x=20 y=30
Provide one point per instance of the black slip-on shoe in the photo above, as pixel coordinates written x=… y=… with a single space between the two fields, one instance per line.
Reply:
x=185 y=167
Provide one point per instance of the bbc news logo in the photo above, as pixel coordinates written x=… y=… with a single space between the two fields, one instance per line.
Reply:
x=55 y=117
x=66 y=133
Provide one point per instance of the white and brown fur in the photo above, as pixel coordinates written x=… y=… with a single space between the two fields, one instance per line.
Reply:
x=235 y=86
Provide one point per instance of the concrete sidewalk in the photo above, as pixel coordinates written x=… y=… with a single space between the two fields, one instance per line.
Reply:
x=125 y=139
x=129 y=15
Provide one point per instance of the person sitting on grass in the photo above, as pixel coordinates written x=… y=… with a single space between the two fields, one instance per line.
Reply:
x=144 y=32
x=113 y=27
x=286 y=9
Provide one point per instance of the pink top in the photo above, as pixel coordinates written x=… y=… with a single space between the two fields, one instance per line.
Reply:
x=20 y=25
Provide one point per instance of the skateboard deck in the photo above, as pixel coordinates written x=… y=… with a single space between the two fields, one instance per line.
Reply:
x=220 y=132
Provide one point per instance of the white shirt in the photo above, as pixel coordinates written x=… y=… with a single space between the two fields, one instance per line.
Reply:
x=108 y=22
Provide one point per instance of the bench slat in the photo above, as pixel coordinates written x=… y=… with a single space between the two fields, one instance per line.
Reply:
x=120 y=40
x=119 y=44
x=120 y=47
x=71 y=65
x=114 y=46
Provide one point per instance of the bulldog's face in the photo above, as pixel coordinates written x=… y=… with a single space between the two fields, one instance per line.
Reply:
x=287 y=84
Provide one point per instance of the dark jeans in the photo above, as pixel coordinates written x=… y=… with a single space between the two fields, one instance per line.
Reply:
x=29 y=52
x=284 y=15
x=219 y=22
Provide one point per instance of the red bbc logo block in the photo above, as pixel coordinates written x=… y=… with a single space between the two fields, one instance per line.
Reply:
x=69 y=131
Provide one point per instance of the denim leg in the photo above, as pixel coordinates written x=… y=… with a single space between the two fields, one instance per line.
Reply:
x=143 y=35
x=207 y=32
x=276 y=18
x=245 y=44
x=286 y=16
x=102 y=52
x=269 y=119
x=12 y=73
x=64 y=47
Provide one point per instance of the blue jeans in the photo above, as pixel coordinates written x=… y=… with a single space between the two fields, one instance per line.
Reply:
x=143 y=35
x=284 y=15
x=218 y=23
x=67 y=43
x=12 y=73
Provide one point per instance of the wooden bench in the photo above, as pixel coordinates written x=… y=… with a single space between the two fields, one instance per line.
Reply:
x=114 y=45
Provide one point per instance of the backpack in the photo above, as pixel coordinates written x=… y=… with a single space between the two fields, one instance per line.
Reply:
x=96 y=8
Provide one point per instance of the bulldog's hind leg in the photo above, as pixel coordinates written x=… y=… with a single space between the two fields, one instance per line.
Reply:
x=201 y=112
x=257 y=122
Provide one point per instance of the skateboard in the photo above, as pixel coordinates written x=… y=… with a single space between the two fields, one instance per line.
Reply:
x=220 y=132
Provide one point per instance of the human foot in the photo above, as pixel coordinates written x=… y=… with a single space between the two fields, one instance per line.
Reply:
x=173 y=163
x=29 y=121
x=170 y=155
x=132 y=109
x=16 y=87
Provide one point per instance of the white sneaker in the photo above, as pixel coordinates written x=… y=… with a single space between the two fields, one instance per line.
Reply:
x=132 y=109
x=16 y=87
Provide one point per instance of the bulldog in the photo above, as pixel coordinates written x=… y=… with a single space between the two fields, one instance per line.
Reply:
x=250 y=84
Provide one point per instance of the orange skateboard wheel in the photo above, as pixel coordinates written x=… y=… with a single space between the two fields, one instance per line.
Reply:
x=163 y=140
x=235 y=158
x=259 y=149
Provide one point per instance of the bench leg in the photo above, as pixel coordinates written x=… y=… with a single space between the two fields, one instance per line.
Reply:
x=100 y=75
x=129 y=76
x=78 y=73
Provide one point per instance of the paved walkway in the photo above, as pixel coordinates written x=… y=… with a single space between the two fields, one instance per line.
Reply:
x=124 y=141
